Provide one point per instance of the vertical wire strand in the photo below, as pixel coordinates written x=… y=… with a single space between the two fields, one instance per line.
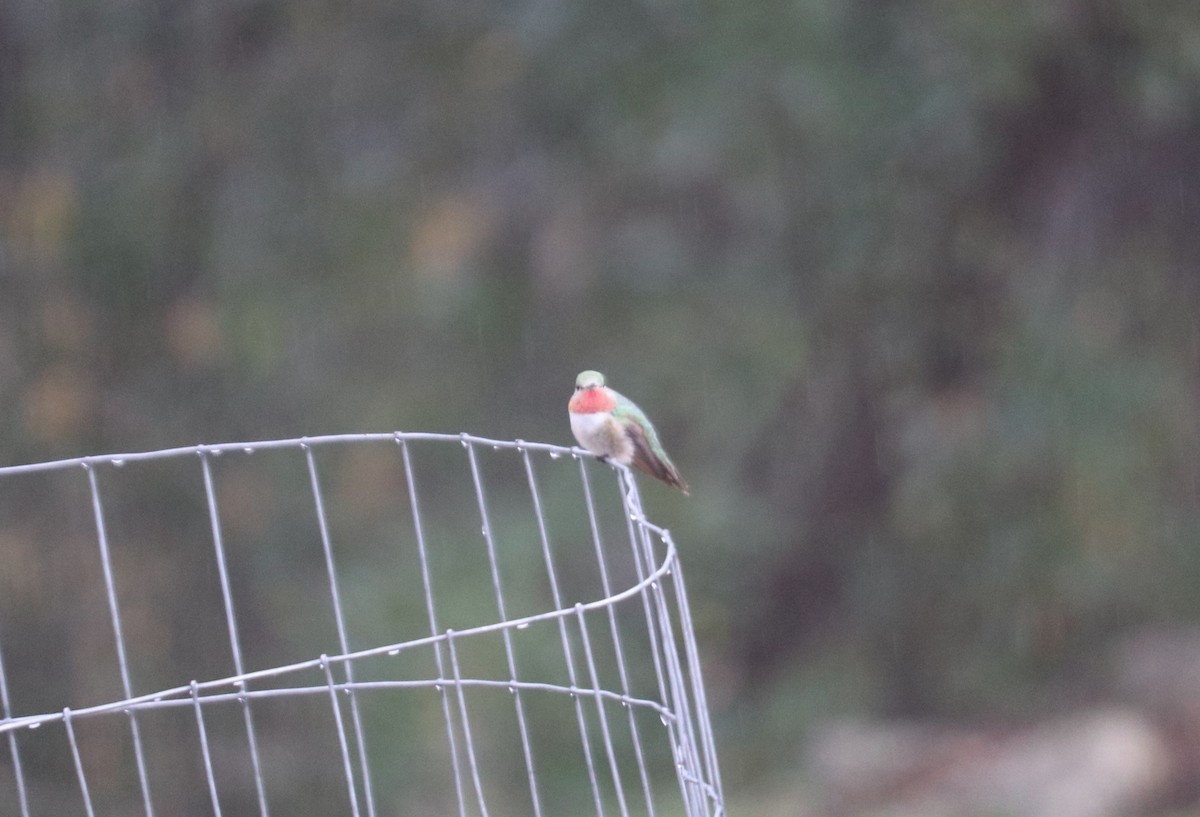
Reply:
x=506 y=633
x=661 y=635
x=644 y=568
x=614 y=629
x=600 y=713
x=13 y=750
x=564 y=637
x=431 y=611
x=340 y=620
x=689 y=745
x=692 y=652
x=688 y=751
x=83 y=784
x=466 y=723
x=118 y=634
x=686 y=755
x=343 y=743
x=235 y=645
x=202 y=731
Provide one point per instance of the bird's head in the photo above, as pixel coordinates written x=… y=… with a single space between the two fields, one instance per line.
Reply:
x=589 y=380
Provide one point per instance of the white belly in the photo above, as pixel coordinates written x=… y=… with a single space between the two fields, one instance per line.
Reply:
x=598 y=433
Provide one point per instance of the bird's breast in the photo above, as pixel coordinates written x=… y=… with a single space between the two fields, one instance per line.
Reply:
x=588 y=426
x=600 y=434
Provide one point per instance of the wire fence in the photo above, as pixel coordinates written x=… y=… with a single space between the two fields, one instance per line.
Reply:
x=366 y=624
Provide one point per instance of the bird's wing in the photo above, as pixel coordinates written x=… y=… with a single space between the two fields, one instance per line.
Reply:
x=648 y=454
x=645 y=459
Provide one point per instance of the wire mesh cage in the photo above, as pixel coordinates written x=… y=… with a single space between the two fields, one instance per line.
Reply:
x=375 y=624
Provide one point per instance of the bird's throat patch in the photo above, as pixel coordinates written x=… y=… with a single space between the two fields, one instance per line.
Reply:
x=590 y=401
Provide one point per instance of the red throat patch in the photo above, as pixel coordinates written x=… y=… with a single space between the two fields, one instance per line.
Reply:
x=590 y=401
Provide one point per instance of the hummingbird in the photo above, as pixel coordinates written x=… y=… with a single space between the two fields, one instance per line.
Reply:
x=611 y=426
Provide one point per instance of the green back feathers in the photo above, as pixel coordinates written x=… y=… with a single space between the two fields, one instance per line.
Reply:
x=627 y=410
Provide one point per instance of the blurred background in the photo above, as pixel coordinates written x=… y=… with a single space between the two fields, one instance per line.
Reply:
x=910 y=289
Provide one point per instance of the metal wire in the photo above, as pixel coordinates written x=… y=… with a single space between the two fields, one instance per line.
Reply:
x=626 y=648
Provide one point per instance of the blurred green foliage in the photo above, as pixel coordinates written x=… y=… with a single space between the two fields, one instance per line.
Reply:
x=909 y=287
